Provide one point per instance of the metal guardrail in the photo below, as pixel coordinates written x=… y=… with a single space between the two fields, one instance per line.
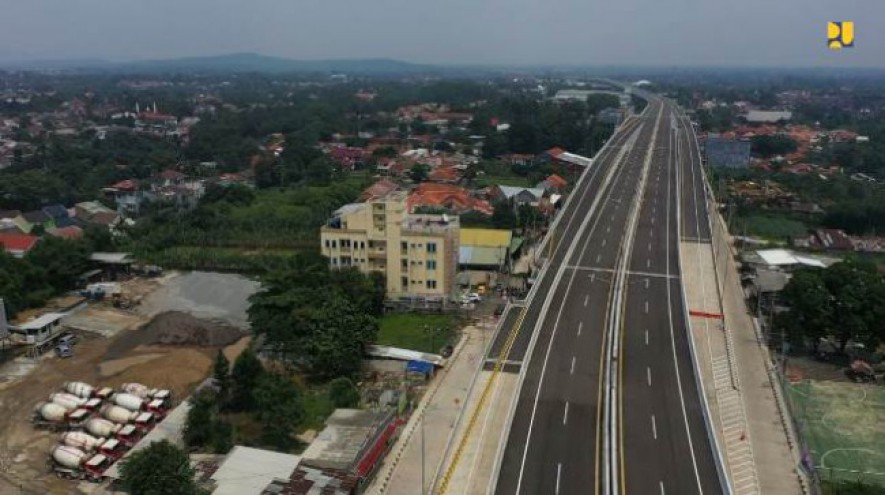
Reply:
x=708 y=421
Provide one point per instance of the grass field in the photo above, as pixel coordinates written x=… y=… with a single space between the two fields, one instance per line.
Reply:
x=426 y=333
x=769 y=226
x=842 y=425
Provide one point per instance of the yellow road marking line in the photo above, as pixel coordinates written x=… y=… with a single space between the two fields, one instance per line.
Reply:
x=474 y=416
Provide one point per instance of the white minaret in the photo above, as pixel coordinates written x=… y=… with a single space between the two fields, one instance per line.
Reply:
x=137 y=109
x=155 y=107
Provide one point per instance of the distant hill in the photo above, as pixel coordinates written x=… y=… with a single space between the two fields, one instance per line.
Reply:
x=237 y=62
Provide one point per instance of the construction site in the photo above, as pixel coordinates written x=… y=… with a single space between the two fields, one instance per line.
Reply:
x=165 y=336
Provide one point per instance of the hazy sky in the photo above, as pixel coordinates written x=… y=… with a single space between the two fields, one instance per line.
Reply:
x=591 y=32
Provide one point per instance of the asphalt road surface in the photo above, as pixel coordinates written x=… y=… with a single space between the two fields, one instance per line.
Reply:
x=614 y=282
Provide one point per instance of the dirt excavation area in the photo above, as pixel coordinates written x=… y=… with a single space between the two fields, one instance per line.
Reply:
x=171 y=348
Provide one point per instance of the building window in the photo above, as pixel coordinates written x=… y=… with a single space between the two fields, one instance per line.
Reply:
x=404 y=246
x=431 y=247
x=334 y=243
x=326 y=243
x=405 y=282
x=431 y=264
x=405 y=263
x=431 y=284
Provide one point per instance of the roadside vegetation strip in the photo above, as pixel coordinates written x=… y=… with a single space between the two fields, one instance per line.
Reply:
x=474 y=416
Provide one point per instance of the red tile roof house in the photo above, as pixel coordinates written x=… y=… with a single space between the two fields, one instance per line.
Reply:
x=445 y=174
x=447 y=196
x=18 y=245
x=554 y=183
x=378 y=190
x=348 y=157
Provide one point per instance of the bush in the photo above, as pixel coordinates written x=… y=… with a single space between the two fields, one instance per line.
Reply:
x=343 y=393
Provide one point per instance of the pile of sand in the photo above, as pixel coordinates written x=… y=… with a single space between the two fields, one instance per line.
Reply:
x=178 y=371
x=177 y=328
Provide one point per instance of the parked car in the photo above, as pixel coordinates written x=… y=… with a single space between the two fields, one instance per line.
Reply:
x=68 y=339
x=64 y=351
x=471 y=297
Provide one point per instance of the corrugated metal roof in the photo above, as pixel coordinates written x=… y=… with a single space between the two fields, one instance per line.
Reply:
x=248 y=471
x=481 y=255
x=486 y=237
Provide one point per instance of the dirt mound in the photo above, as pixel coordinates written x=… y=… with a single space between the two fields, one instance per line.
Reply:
x=177 y=328
x=178 y=370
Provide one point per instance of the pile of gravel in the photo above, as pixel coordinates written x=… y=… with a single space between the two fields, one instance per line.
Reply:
x=177 y=328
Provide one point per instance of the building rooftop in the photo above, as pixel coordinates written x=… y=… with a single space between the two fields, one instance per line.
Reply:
x=18 y=242
x=347 y=433
x=768 y=116
x=40 y=321
x=486 y=237
x=430 y=224
x=247 y=471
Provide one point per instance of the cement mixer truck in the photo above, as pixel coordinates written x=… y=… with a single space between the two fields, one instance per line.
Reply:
x=145 y=392
x=52 y=416
x=71 y=401
x=73 y=463
x=133 y=402
x=128 y=435
x=87 y=391
x=144 y=421
x=110 y=447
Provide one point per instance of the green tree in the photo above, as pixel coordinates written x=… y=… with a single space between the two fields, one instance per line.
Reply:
x=343 y=393
x=279 y=409
x=858 y=294
x=338 y=335
x=504 y=217
x=198 y=428
x=811 y=306
x=845 y=301
x=246 y=374
x=159 y=469
x=419 y=172
x=221 y=374
x=772 y=145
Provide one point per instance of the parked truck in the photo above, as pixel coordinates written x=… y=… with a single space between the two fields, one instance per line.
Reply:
x=128 y=435
x=145 y=392
x=110 y=447
x=73 y=463
x=71 y=401
x=52 y=416
x=132 y=402
x=87 y=391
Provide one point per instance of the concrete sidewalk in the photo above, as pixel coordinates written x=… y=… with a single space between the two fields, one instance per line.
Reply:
x=718 y=367
x=773 y=439
x=430 y=426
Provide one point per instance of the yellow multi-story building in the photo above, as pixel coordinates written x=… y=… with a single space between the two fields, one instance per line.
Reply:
x=418 y=254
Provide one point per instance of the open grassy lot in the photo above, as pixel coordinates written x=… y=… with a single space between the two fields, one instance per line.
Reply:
x=842 y=425
x=769 y=226
x=419 y=332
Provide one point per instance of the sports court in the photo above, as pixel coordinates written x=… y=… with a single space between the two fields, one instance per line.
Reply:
x=842 y=425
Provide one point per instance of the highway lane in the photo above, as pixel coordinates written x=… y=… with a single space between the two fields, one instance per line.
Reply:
x=572 y=216
x=553 y=441
x=664 y=439
x=695 y=225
